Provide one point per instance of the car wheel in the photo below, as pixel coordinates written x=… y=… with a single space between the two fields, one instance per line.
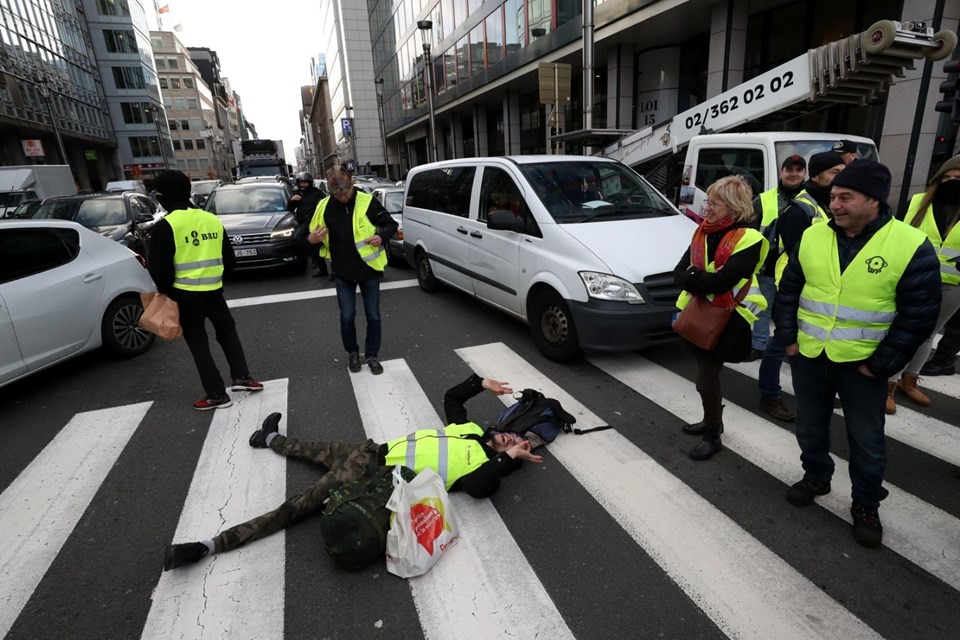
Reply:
x=122 y=335
x=552 y=328
x=428 y=282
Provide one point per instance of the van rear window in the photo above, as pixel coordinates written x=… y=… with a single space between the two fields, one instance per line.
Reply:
x=445 y=190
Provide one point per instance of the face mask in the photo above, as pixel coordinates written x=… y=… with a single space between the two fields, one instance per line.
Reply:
x=948 y=192
x=167 y=202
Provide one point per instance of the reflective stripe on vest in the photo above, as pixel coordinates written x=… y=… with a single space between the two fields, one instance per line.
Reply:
x=375 y=257
x=819 y=214
x=754 y=302
x=449 y=452
x=848 y=314
x=198 y=257
x=947 y=249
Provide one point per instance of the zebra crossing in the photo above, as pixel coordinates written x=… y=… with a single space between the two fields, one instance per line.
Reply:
x=497 y=582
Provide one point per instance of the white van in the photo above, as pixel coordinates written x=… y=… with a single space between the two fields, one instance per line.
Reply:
x=581 y=248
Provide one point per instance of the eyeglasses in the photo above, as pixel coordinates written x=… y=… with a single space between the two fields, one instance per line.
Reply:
x=713 y=204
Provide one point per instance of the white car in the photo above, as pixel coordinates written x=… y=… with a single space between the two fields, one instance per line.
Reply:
x=66 y=290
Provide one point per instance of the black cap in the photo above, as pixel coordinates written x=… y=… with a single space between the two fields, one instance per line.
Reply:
x=820 y=162
x=845 y=146
x=794 y=161
x=869 y=177
x=173 y=184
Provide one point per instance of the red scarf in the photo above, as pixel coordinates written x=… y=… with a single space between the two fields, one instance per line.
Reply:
x=698 y=253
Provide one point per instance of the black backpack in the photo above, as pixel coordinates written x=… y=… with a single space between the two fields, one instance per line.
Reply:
x=536 y=414
x=355 y=522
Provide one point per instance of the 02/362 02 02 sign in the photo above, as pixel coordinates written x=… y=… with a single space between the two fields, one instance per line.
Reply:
x=748 y=96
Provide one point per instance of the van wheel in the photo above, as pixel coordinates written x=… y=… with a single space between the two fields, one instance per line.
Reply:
x=120 y=330
x=879 y=36
x=552 y=328
x=428 y=282
x=946 y=42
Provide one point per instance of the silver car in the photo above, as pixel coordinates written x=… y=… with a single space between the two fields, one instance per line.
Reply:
x=66 y=290
x=392 y=200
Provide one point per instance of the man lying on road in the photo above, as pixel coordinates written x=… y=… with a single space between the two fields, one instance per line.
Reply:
x=474 y=463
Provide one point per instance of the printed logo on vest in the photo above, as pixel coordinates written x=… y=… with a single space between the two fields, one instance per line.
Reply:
x=429 y=521
x=876 y=264
x=196 y=238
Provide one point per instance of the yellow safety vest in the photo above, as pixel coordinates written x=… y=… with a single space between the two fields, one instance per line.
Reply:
x=198 y=260
x=947 y=249
x=754 y=302
x=848 y=314
x=770 y=205
x=448 y=451
x=820 y=215
x=376 y=257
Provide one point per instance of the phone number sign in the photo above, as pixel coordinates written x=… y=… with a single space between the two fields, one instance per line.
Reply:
x=778 y=88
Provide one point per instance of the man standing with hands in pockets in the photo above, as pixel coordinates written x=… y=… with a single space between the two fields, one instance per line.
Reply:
x=352 y=229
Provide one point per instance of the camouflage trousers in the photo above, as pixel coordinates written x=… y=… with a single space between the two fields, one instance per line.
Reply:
x=345 y=462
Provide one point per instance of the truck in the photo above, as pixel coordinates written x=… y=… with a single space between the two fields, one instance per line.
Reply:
x=259 y=158
x=21 y=184
x=683 y=155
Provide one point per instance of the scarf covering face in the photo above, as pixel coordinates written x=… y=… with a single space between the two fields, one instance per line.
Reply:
x=698 y=253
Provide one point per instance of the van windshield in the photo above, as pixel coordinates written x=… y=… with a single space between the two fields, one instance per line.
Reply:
x=585 y=191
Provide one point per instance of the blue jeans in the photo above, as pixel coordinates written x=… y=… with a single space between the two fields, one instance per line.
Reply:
x=761 y=328
x=815 y=383
x=347 y=301
x=769 y=377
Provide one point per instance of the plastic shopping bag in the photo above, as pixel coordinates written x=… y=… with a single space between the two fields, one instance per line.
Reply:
x=423 y=527
x=161 y=315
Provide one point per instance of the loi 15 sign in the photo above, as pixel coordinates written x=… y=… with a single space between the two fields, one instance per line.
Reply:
x=33 y=148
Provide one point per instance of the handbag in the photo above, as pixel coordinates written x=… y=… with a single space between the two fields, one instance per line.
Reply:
x=423 y=527
x=161 y=315
x=702 y=323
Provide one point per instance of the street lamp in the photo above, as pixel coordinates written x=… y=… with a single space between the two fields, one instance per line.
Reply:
x=383 y=135
x=426 y=30
x=48 y=99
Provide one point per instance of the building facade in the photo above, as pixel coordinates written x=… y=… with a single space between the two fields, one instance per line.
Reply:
x=652 y=60
x=120 y=39
x=52 y=104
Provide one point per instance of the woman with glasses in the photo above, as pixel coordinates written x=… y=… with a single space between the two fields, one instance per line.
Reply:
x=936 y=212
x=720 y=266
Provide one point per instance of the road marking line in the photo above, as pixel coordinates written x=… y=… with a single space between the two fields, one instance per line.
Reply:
x=308 y=295
x=239 y=593
x=746 y=589
x=41 y=507
x=484 y=588
x=914 y=428
x=927 y=536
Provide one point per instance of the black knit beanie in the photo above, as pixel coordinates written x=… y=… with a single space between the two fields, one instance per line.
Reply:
x=173 y=190
x=820 y=162
x=869 y=177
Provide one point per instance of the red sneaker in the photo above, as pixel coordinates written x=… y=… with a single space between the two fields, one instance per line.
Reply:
x=246 y=384
x=207 y=403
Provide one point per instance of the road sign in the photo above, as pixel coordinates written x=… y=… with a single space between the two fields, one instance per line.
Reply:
x=554 y=82
x=33 y=148
x=90 y=154
x=346 y=124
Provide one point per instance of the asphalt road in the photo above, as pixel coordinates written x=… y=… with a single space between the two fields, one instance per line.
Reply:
x=623 y=533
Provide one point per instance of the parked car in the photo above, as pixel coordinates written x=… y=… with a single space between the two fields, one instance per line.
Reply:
x=125 y=217
x=127 y=185
x=24 y=210
x=392 y=200
x=200 y=190
x=581 y=248
x=66 y=290
x=258 y=224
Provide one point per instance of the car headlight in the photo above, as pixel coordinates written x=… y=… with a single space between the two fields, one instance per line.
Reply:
x=286 y=233
x=604 y=286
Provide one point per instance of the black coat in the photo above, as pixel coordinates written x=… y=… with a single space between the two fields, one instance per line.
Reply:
x=736 y=341
x=304 y=208
x=917 y=298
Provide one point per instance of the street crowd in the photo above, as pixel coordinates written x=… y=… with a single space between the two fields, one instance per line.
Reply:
x=856 y=295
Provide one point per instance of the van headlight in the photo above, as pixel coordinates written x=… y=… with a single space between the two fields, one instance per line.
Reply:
x=604 y=286
x=286 y=233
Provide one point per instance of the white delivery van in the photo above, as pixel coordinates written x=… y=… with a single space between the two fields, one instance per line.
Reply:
x=24 y=183
x=581 y=248
x=755 y=156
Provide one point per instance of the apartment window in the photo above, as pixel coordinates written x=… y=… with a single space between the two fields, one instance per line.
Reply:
x=172 y=63
x=136 y=112
x=476 y=49
x=161 y=64
x=143 y=146
x=174 y=83
x=494 y=38
x=163 y=83
x=179 y=104
x=156 y=43
x=182 y=165
x=192 y=103
x=192 y=164
x=188 y=83
x=196 y=124
x=168 y=103
x=201 y=144
x=176 y=144
x=129 y=77
x=185 y=125
x=188 y=145
x=203 y=163
x=113 y=7
x=120 y=41
x=174 y=125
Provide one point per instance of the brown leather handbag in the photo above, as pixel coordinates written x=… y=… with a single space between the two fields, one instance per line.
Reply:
x=702 y=323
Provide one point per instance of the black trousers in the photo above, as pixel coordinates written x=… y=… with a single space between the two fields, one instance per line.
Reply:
x=196 y=307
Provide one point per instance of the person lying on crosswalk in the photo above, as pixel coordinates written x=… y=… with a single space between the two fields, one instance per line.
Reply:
x=462 y=453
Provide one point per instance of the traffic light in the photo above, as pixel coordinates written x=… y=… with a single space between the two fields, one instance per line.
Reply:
x=951 y=100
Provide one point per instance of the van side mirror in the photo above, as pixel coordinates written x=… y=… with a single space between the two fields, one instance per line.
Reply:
x=504 y=220
x=142 y=218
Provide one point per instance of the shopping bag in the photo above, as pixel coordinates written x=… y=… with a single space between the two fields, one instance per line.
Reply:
x=161 y=315
x=422 y=527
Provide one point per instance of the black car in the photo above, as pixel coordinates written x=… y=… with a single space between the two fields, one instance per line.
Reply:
x=125 y=217
x=24 y=210
x=258 y=224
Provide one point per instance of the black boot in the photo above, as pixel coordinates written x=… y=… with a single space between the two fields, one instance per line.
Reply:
x=696 y=429
x=710 y=444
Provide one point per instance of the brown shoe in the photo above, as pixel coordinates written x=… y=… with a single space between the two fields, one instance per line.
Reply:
x=777 y=409
x=891 y=407
x=908 y=387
